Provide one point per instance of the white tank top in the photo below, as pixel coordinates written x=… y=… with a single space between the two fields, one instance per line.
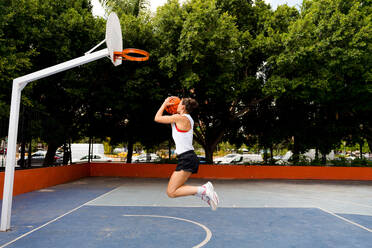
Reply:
x=183 y=139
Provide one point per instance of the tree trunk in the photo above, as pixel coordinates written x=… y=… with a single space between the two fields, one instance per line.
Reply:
x=70 y=153
x=22 y=159
x=324 y=158
x=209 y=136
x=266 y=156
x=209 y=151
x=49 y=158
x=208 y=142
x=271 y=153
x=361 y=150
x=29 y=154
x=130 y=150
x=90 y=155
x=368 y=137
x=66 y=154
x=23 y=141
x=296 y=151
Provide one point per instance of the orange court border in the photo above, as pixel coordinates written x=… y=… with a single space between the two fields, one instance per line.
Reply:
x=39 y=178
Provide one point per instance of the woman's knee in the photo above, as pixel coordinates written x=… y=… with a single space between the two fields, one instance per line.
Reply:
x=171 y=193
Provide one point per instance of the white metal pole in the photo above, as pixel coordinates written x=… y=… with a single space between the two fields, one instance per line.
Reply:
x=18 y=85
x=24 y=80
x=11 y=156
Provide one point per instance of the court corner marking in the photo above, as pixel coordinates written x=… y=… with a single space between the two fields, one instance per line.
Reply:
x=55 y=219
x=346 y=220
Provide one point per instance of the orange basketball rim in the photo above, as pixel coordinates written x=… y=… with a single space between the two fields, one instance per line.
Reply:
x=127 y=54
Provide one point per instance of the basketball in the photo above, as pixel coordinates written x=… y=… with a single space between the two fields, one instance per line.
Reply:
x=172 y=109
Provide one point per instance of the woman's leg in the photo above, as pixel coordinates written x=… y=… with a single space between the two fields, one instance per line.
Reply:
x=177 y=187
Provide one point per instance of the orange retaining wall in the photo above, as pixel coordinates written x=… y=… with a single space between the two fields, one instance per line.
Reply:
x=234 y=171
x=131 y=170
x=34 y=179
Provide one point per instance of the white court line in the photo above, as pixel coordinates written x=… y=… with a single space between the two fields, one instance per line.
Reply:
x=147 y=205
x=193 y=206
x=54 y=220
x=344 y=219
x=206 y=229
x=319 y=198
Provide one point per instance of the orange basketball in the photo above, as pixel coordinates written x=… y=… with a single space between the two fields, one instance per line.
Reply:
x=172 y=109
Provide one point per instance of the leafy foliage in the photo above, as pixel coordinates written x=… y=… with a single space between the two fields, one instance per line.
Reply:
x=263 y=76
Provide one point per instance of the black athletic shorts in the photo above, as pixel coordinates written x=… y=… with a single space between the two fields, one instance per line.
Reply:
x=188 y=161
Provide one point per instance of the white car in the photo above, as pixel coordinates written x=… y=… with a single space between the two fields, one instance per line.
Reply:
x=368 y=156
x=95 y=158
x=146 y=158
x=250 y=158
x=37 y=159
x=227 y=159
x=239 y=159
x=309 y=156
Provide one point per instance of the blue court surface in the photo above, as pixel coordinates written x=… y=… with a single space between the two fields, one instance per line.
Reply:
x=124 y=212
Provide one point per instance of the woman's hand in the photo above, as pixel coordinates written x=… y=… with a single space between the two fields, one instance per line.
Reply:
x=167 y=101
x=159 y=117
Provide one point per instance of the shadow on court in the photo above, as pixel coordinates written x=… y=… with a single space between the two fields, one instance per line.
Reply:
x=123 y=212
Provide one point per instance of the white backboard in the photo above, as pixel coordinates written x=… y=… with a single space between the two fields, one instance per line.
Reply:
x=114 y=39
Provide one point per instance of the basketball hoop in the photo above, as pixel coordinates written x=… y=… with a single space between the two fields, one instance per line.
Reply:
x=114 y=43
x=114 y=50
x=124 y=55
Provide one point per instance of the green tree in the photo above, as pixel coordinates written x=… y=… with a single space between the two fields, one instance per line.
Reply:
x=325 y=63
x=266 y=122
x=51 y=32
x=210 y=55
x=128 y=7
x=15 y=21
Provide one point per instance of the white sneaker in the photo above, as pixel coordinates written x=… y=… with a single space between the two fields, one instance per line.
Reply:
x=210 y=196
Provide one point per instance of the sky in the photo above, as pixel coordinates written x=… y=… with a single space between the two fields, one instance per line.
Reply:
x=98 y=10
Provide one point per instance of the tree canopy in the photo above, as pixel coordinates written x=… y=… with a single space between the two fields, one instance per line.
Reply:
x=261 y=76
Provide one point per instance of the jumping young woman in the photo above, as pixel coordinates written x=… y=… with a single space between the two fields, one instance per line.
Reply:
x=188 y=163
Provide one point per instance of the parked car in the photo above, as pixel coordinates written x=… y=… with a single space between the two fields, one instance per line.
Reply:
x=368 y=156
x=146 y=158
x=239 y=159
x=37 y=159
x=308 y=156
x=204 y=160
x=227 y=159
x=59 y=158
x=250 y=158
x=79 y=150
x=95 y=158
